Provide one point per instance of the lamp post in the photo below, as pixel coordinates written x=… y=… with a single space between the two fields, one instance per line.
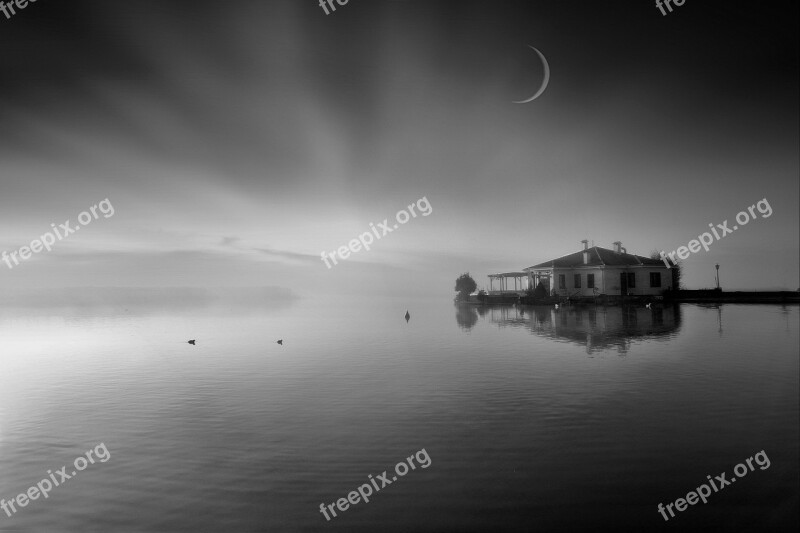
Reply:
x=717 y=266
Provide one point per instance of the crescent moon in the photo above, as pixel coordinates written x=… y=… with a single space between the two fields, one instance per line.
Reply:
x=545 y=81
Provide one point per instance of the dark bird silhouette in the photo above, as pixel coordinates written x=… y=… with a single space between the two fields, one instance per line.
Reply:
x=408 y=316
x=191 y=342
x=280 y=342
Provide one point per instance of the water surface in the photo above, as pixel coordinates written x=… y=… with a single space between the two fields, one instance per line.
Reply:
x=534 y=419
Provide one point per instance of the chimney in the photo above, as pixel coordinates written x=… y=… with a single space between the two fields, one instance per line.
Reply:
x=617 y=246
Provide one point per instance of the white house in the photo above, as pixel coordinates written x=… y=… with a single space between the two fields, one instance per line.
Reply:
x=594 y=271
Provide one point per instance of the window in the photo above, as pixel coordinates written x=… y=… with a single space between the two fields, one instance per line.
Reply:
x=655 y=279
x=562 y=281
x=590 y=281
x=631 y=280
x=577 y=281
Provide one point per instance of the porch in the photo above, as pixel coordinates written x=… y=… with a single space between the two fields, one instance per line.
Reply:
x=501 y=284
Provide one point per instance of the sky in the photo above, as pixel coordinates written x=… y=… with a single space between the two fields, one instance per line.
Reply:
x=238 y=140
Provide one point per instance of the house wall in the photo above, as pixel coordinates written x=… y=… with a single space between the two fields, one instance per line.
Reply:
x=606 y=281
x=583 y=291
x=642 y=273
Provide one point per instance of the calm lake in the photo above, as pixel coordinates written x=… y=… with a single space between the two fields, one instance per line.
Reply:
x=577 y=419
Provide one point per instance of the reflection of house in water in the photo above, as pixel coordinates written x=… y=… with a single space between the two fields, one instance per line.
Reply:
x=598 y=328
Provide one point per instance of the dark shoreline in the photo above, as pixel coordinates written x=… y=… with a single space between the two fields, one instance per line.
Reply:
x=687 y=296
x=742 y=297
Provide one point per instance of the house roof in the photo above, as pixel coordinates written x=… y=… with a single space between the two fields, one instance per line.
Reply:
x=599 y=257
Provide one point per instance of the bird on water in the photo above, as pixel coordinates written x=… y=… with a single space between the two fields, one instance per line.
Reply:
x=280 y=341
x=191 y=342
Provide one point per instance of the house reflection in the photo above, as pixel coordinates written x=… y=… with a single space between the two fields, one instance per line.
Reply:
x=597 y=328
